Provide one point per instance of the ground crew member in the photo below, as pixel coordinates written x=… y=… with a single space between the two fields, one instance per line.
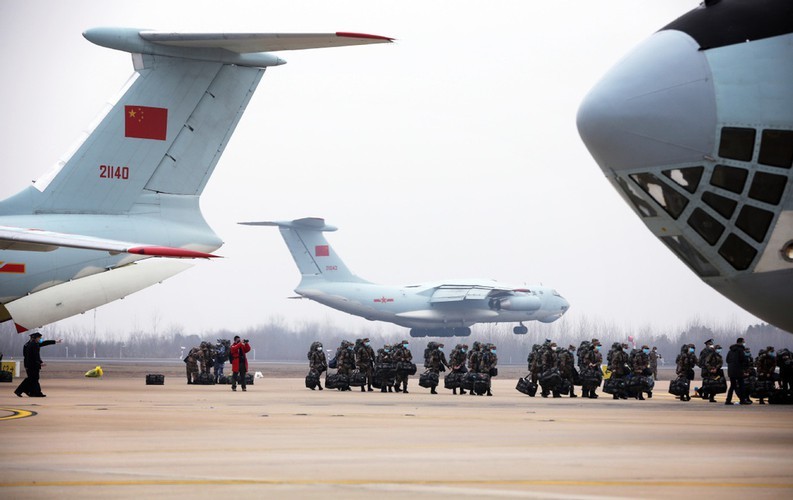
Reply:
x=31 y=353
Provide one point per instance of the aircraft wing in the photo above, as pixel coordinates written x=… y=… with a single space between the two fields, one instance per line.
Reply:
x=245 y=43
x=459 y=293
x=37 y=240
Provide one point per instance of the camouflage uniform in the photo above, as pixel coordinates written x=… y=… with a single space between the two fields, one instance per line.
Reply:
x=766 y=365
x=317 y=362
x=402 y=354
x=592 y=360
x=785 y=363
x=345 y=358
x=654 y=357
x=191 y=362
x=704 y=354
x=618 y=366
x=207 y=357
x=686 y=361
x=566 y=364
x=457 y=359
x=435 y=360
x=534 y=362
x=711 y=369
x=364 y=360
x=385 y=357
x=640 y=363
x=488 y=362
x=548 y=362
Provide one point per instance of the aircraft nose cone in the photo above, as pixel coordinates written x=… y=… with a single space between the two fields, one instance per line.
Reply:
x=655 y=107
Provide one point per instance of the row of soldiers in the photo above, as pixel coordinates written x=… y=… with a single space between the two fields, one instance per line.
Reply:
x=362 y=357
x=553 y=368
x=744 y=371
x=199 y=360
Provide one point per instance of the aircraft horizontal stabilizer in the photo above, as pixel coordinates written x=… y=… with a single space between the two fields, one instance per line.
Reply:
x=35 y=240
x=312 y=223
x=77 y=296
x=245 y=43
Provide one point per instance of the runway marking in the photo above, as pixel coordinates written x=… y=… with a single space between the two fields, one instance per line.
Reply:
x=363 y=482
x=15 y=414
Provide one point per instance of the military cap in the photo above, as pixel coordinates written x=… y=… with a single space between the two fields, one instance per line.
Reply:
x=645 y=347
x=709 y=341
x=595 y=342
x=571 y=346
x=35 y=334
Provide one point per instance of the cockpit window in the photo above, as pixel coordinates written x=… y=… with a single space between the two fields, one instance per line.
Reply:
x=642 y=207
x=687 y=178
x=767 y=187
x=754 y=221
x=670 y=200
x=737 y=143
x=776 y=148
x=706 y=226
x=737 y=252
x=729 y=178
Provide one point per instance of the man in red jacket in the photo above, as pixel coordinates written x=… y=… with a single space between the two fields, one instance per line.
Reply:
x=239 y=361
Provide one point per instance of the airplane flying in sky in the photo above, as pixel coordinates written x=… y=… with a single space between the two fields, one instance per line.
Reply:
x=442 y=309
x=73 y=240
x=694 y=129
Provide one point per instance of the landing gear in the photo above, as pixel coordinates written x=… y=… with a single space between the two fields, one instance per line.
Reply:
x=520 y=330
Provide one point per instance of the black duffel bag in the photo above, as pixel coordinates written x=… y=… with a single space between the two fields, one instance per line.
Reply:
x=312 y=380
x=453 y=380
x=428 y=380
x=565 y=387
x=494 y=372
x=614 y=385
x=357 y=379
x=762 y=389
x=333 y=363
x=550 y=379
x=526 y=386
x=714 y=385
x=155 y=379
x=406 y=368
x=481 y=383
x=679 y=386
x=337 y=381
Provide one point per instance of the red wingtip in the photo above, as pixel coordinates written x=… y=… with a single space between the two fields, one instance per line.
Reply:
x=20 y=328
x=171 y=252
x=364 y=35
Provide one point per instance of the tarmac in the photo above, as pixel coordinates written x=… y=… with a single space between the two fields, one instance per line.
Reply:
x=115 y=437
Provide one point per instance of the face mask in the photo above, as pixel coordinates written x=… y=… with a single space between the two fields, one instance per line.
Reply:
x=772 y=354
x=598 y=347
x=691 y=350
x=366 y=344
x=39 y=340
x=646 y=351
x=718 y=350
x=319 y=349
x=405 y=346
x=493 y=351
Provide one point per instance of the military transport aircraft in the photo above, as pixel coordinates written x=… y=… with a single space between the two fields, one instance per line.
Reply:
x=694 y=129
x=443 y=309
x=130 y=191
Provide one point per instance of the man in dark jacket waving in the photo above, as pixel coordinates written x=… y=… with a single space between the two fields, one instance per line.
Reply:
x=738 y=366
x=33 y=363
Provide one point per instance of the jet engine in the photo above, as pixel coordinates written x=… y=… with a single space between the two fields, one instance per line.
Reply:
x=516 y=303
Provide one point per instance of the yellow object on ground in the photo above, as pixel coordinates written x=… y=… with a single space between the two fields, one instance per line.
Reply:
x=606 y=372
x=95 y=372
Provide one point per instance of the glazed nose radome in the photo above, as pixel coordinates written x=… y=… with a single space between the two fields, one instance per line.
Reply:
x=655 y=107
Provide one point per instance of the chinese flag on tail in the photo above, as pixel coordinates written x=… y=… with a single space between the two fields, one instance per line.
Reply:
x=321 y=251
x=143 y=122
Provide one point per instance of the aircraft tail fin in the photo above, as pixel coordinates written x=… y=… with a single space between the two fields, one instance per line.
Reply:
x=314 y=256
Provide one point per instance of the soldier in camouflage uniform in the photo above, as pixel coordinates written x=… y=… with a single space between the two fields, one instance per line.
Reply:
x=618 y=366
x=385 y=357
x=364 y=361
x=590 y=369
x=474 y=359
x=766 y=365
x=488 y=362
x=565 y=362
x=711 y=369
x=402 y=354
x=534 y=362
x=703 y=355
x=457 y=359
x=345 y=359
x=317 y=362
x=654 y=357
x=548 y=361
x=435 y=360
x=191 y=361
x=221 y=355
x=639 y=364
x=686 y=361
x=207 y=357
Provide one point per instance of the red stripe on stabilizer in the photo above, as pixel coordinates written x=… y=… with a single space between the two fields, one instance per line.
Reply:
x=12 y=268
x=20 y=328
x=363 y=35
x=171 y=252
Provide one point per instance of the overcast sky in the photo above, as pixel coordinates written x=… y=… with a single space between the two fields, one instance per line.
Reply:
x=451 y=153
